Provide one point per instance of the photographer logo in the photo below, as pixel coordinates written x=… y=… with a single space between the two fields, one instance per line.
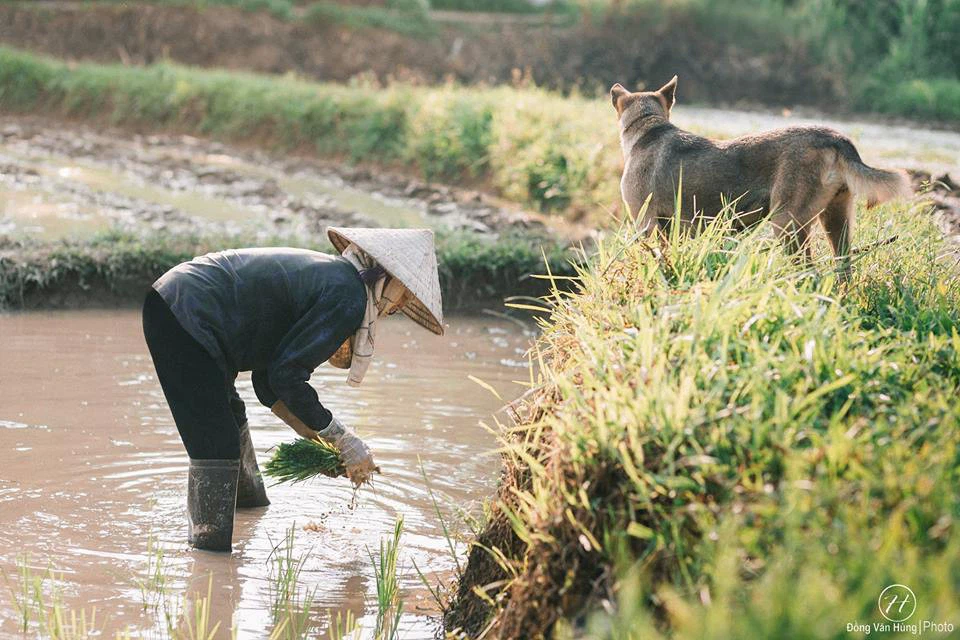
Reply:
x=897 y=603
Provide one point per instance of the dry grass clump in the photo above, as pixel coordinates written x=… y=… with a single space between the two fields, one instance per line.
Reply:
x=715 y=424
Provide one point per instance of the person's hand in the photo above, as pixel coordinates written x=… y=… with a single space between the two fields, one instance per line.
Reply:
x=355 y=453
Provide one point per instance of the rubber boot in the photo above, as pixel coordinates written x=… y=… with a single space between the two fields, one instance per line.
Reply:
x=250 y=489
x=211 y=498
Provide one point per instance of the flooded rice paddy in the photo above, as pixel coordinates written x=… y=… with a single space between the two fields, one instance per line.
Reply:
x=91 y=469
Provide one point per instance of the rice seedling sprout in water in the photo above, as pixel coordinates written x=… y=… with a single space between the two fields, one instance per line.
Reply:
x=290 y=604
x=389 y=603
x=198 y=628
x=153 y=583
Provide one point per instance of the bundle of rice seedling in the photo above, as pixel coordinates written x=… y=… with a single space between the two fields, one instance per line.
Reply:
x=303 y=459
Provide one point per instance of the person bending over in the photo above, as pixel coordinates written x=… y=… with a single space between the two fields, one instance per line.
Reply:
x=280 y=313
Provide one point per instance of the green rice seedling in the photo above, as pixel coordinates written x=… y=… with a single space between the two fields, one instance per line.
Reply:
x=153 y=583
x=290 y=603
x=38 y=603
x=198 y=625
x=304 y=459
x=389 y=603
x=21 y=591
x=451 y=545
x=35 y=595
x=343 y=626
x=63 y=624
x=438 y=592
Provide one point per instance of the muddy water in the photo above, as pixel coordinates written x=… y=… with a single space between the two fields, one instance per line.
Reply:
x=91 y=467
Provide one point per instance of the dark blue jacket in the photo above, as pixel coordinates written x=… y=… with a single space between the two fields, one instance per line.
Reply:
x=277 y=312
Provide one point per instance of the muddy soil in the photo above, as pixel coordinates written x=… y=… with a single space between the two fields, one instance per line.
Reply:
x=66 y=180
x=92 y=467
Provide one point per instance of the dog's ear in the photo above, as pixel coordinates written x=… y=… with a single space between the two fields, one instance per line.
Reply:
x=669 y=92
x=616 y=92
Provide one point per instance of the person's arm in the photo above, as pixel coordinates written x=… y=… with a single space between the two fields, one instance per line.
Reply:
x=281 y=411
x=312 y=340
x=261 y=387
x=309 y=343
x=269 y=399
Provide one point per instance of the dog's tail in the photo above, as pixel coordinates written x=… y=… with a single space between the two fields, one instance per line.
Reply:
x=876 y=185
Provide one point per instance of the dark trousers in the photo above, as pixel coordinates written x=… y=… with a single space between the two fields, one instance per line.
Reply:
x=201 y=395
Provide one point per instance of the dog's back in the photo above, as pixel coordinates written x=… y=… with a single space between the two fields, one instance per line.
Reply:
x=792 y=175
x=744 y=171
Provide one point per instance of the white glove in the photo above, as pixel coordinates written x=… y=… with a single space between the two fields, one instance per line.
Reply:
x=355 y=453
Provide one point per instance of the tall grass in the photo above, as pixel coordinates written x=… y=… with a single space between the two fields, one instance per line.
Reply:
x=729 y=445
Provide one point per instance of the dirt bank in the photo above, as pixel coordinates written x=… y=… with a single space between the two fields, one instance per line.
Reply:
x=590 y=55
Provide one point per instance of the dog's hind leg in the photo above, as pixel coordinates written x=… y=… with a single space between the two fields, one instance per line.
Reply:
x=837 y=220
x=794 y=232
x=796 y=199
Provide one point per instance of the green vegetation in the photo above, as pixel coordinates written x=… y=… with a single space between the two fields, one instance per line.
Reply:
x=283 y=9
x=506 y=6
x=897 y=57
x=37 y=600
x=408 y=17
x=532 y=146
x=290 y=602
x=153 y=584
x=389 y=602
x=865 y=49
x=303 y=459
x=730 y=445
x=118 y=267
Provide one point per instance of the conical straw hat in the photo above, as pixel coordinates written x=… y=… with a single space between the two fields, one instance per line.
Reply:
x=410 y=257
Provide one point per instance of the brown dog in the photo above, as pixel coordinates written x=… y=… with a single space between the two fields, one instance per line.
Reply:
x=792 y=175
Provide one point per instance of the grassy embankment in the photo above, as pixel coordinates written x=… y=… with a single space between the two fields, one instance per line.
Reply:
x=118 y=268
x=723 y=445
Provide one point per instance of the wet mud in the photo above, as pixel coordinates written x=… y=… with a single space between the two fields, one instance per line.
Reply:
x=91 y=467
x=59 y=180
